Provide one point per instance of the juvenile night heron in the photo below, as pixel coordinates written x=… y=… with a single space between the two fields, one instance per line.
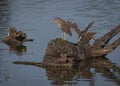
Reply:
x=63 y=26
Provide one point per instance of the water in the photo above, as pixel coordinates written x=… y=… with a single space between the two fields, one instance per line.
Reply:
x=35 y=17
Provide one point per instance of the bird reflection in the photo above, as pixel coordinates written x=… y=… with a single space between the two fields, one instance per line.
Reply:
x=85 y=71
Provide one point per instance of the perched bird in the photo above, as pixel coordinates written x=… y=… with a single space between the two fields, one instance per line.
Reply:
x=63 y=26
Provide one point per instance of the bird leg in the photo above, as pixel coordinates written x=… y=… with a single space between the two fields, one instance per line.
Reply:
x=64 y=36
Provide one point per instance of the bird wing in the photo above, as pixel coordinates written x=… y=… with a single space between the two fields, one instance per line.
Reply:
x=66 y=29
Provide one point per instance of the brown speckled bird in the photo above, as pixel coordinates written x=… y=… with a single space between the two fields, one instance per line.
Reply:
x=63 y=26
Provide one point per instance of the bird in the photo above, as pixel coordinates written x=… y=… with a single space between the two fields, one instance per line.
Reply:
x=63 y=26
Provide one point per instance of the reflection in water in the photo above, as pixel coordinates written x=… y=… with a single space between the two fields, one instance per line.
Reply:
x=18 y=49
x=85 y=71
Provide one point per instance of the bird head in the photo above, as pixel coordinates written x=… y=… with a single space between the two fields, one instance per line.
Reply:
x=57 y=20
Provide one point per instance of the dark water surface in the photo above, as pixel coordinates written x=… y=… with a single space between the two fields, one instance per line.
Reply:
x=35 y=17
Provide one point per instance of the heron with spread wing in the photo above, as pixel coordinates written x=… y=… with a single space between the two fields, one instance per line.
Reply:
x=63 y=26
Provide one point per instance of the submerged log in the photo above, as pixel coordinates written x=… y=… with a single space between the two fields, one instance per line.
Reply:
x=15 y=38
x=65 y=53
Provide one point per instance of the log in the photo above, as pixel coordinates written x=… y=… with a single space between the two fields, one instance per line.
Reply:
x=15 y=38
x=63 y=53
x=102 y=42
